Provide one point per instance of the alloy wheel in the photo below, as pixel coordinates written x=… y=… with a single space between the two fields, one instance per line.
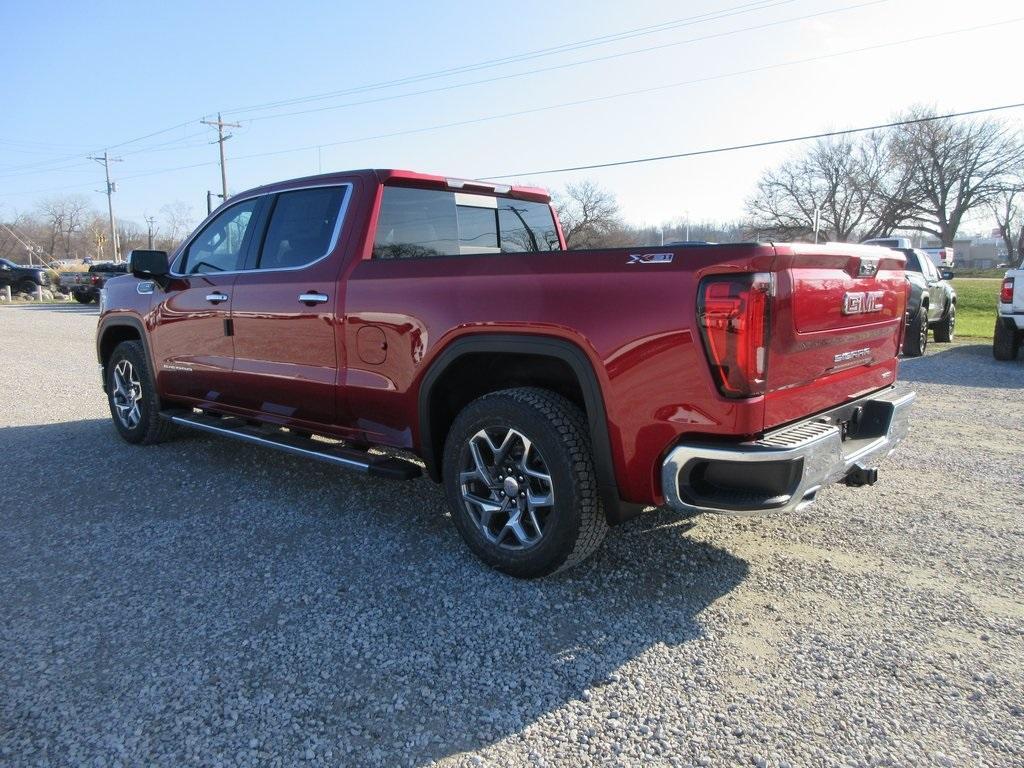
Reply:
x=506 y=487
x=127 y=394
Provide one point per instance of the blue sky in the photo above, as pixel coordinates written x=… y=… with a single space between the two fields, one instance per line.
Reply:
x=80 y=77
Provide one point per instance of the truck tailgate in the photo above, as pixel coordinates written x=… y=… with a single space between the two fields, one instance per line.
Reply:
x=839 y=314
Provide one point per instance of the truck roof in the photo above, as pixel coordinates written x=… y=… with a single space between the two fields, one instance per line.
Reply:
x=412 y=178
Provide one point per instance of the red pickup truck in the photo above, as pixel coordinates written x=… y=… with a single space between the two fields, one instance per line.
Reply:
x=553 y=392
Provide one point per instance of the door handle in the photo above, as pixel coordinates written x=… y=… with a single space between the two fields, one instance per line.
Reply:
x=216 y=298
x=312 y=298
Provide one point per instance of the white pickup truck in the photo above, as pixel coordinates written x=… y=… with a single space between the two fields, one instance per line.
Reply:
x=1010 y=317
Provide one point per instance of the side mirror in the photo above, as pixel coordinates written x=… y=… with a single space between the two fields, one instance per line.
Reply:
x=947 y=274
x=151 y=265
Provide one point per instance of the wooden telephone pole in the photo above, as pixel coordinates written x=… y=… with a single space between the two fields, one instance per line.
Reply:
x=220 y=125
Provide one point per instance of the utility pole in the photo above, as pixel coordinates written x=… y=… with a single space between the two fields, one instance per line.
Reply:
x=220 y=125
x=209 y=201
x=149 y=225
x=106 y=159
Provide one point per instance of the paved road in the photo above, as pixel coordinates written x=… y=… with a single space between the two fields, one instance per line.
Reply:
x=201 y=602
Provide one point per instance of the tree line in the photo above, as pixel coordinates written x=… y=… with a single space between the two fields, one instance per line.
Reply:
x=69 y=227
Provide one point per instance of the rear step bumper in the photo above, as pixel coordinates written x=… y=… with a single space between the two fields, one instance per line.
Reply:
x=784 y=470
x=270 y=436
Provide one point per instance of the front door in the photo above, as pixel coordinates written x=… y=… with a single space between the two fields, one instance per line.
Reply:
x=192 y=345
x=285 y=309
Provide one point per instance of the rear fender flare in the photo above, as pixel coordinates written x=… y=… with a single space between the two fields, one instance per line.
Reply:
x=546 y=346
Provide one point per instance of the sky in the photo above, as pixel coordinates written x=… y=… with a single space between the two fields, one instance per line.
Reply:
x=138 y=77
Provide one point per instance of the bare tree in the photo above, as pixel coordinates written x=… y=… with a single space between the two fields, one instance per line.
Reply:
x=589 y=216
x=1008 y=208
x=837 y=178
x=953 y=167
x=178 y=221
x=131 y=236
x=65 y=218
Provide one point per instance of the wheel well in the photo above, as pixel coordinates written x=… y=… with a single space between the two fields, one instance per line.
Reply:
x=113 y=336
x=474 y=374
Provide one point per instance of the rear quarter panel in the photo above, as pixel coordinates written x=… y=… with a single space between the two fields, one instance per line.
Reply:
x=635 y=323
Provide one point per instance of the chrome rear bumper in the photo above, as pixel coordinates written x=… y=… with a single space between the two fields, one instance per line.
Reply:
x=784 y=470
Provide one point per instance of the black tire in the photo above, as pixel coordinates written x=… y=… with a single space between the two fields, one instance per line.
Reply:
x=82 y=297
x=916 y=340
x=26 y=286
x=572 y=526
x=148 y=428
x=1005 y=342
x=946 y=327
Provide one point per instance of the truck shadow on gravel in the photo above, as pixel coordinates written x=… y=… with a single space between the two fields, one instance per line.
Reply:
x=201 y=598
x=966 y=365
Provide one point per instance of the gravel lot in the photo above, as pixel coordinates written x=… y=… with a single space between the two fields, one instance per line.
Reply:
x=206 y=603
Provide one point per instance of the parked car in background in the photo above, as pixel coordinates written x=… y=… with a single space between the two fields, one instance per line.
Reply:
x=931 y=304
x=1010 y=316
x=85 y=286
x=943 y=258
x=22 y=279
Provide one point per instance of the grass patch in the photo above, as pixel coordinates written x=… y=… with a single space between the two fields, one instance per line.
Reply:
x=976 y=300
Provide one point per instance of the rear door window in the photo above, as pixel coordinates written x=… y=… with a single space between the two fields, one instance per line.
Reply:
x=417 y=223
x=302 y=227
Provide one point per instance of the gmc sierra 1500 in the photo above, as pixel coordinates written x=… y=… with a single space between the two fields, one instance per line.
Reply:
x=553 y=392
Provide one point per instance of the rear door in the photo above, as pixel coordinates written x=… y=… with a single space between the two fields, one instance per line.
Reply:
x=836 y=326
x=192 y=346
x=936 y=294
x=286 y=308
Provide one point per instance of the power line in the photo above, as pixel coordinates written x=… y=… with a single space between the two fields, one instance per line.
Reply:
x=748 y=7
x=754 y=145
x=744 y=8
x=573 y=103
x=597 y=99
x=568 y=65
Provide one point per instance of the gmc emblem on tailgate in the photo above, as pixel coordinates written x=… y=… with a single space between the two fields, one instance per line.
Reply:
x=862 y=302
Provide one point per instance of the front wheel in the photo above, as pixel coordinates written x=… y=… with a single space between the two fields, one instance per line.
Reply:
x=132 y=396
x=520 y=478
x=1006 y=341
x=917 y=335
x=26 y=286
x=947 y=326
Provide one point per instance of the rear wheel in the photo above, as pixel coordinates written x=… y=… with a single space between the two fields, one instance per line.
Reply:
x=1006 y=342
x=917 y=334
x=520 y=479
x=132 y=396
x=82 y=297
x=944 y=330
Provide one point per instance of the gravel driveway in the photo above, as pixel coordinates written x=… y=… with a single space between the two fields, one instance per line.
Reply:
x=207 y=603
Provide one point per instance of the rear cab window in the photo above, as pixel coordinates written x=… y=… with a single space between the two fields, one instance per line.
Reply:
x=424 y=223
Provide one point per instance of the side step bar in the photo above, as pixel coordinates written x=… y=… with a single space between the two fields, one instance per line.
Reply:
x=276 y=437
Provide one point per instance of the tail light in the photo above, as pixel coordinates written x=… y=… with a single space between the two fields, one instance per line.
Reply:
x=732 y=311
x=1006 y=292
x=95 y=279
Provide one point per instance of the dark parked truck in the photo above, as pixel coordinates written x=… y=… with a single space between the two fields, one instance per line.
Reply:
x=86 y=286
x=552 y=392
x=22 y=279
